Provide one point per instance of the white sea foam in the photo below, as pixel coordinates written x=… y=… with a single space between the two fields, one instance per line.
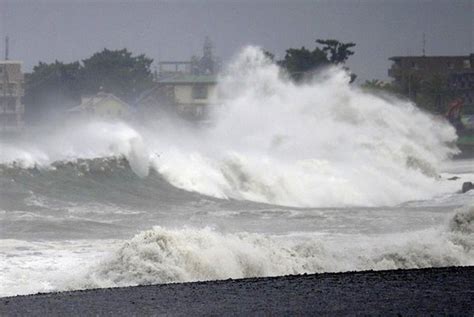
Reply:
x=78 y=140
x=31 y=267
x=163 y=255
x=321 y=143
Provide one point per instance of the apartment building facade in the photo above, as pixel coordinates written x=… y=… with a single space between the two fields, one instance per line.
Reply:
x=11 y=92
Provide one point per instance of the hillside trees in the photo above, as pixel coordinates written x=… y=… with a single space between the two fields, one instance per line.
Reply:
x=117 y=72
x=340 y=52
x=51 y=87
x=299 y=63
x=59 y=86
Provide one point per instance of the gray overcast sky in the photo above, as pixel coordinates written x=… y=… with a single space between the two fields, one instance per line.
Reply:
x=70 y=30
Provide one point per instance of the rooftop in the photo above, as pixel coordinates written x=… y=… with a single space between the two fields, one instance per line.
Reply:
x=432 y=57
x=189 y=79
x=92 y=101
x=10 y=62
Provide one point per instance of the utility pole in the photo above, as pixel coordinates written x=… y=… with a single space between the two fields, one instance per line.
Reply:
x=6 y=47
x=424 y=43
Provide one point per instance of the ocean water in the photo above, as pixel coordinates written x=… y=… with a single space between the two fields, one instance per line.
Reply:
x=282 y=179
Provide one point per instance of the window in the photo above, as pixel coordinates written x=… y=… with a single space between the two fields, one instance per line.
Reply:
x=199 y=92
x=466 y=63
x=8 y=120
x=451 y=65
x=11 y=104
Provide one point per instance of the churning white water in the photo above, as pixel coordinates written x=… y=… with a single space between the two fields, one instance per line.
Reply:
x=348 y=181
x=323 y=143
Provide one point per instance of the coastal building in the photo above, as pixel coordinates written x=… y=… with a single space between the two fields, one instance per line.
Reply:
x=11 y=92
x=453 y=74
x=190 y=96
x=186 y=88
x=103 y=106
x=462 y=84
x=426 y=66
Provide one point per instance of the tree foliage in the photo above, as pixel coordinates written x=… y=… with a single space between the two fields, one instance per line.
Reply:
x=376 y=85
x=59 y=86
x=117 y=72
x=52 y=86
x=299 y=63
x=339 y=52
x=269 y=55
x=432 y=94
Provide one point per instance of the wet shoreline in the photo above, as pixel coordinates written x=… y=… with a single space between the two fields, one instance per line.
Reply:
x=437 y=291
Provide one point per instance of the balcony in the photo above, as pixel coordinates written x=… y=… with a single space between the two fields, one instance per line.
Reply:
x=394 y=71
x=12 y=110
x=11 y=128
x=15 y=91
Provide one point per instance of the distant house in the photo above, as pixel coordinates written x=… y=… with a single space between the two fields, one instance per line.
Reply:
x=188 y=95
x=462 y=83
x=426 y=66
x=186 y=88
x=102 y=105
x=11 y=93
x=408 y=72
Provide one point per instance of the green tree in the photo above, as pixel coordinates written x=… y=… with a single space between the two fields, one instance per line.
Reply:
x=298 y=62
x=339 y=52
x=50 y=88
x=376 y=85
x=117 y=72
x=269 y=55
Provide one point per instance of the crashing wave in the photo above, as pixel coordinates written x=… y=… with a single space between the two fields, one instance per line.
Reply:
x=164 y=255
x=324 y=143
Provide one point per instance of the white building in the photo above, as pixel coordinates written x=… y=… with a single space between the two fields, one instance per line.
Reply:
x=188 y=95
x=11 y=92
x=103 y=106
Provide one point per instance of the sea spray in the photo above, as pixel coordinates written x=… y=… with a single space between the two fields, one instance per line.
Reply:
x=77 y=140
x=316 y=144
x=164 y=255
x=71 y=196
x=320 y=143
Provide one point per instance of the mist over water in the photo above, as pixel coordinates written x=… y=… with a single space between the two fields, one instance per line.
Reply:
x=321 y=143
x=316 y=177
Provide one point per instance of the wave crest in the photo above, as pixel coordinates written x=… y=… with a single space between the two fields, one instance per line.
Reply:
x=163 y=255
x=324 y=143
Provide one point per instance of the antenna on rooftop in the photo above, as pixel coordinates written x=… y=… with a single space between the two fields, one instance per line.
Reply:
x=6 y=48
x=424 y=43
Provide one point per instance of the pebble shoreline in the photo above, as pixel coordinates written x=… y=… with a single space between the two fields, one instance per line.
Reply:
x=431 y=291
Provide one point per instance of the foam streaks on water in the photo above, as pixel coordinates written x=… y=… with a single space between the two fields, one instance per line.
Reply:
x=282 y=179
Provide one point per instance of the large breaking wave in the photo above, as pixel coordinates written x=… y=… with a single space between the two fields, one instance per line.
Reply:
x=321 y=143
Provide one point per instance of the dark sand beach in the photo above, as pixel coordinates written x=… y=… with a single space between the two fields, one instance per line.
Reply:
x=433 y=291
